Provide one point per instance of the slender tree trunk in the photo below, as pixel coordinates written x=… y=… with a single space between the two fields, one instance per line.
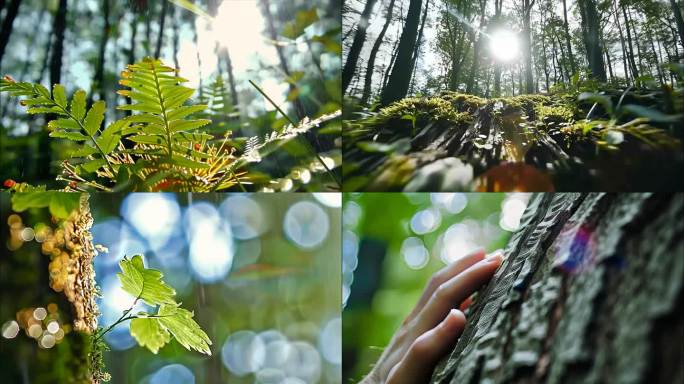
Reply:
x=498 y=4
x=527 y=45
x=98 y=80
x=6 y=28
x=470 y=86
x=368 y=82
x=270 y=23
x=568 y=44
x=630 y=56
x=393 y=59
x=58 y=30
x=677 y=10
x=616 y=14
x=398 y=83
x=357 y=45
x=176 y=36
x=589 y=291
x=231 y=77
x=162 y=22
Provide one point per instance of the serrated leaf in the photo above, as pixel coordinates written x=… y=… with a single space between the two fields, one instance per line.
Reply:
x=64 y=123
x=187 y=163
x=185 y=111
x=94 y=118
x=110 y=136
x=91 y=166
x=144 y=283
x=69 y=135
x=78 y=105
x=59 y=95
x=187 y=332
x=187 y=125
x=148 y=332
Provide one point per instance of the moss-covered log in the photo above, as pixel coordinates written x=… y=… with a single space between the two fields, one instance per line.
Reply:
x=537 y=143
x=591 y=291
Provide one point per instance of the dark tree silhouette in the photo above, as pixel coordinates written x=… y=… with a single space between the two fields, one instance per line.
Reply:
x=6 y=28
x=370 y=68
x=399 y=79
x=357 y=45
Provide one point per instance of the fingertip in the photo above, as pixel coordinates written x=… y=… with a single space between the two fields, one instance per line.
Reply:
x=455 y=321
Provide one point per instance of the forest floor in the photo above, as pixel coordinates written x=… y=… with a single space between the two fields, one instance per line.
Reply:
x=614 y=140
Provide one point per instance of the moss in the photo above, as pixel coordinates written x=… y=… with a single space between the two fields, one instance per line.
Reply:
x=433 y=108
x=464 y=102
x=554 y=114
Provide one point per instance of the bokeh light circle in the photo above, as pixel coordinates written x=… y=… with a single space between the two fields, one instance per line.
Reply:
x=173 y=373
x=243 y=353
x=244 y=215
x=306 y=224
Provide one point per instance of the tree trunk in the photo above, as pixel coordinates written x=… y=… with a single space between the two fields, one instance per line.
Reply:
x=590 y=21
x=98 y=80
x=370 y=68
x=498 y=4
x=419 y=42
x=273 y=34
x=160 y=36
x=398 y=83
x=527 y=46
x=678 y=17
x=6 y=28
x=58 y=29
x=591 y=291
x=568 y=44
x=630 y=53
x=470 y=86
x=231 y=77
x=616 y=13
x=357 y=45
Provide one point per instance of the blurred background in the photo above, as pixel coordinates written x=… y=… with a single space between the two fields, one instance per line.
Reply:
x=291 y=49
x=392 y=243
x=261 y=272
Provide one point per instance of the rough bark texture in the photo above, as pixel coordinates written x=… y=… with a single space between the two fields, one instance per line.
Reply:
x=591 y=291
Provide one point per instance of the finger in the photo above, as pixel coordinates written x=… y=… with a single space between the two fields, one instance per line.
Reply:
x=444 y=275
x=419 y=361
x=466 y=303
x=455 y=291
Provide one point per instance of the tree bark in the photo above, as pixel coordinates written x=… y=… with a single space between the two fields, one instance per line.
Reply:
x=591 y=291
x=368 y=82
x=590 y=22
x=398 y=83
x=678 y=17
x=470 y=86
x=498 y=4
x=357 y=45
x=98 y=80
x=568 y=44
x=160 y=36
x=630 y=53
x=527 y=45
x=6 y=28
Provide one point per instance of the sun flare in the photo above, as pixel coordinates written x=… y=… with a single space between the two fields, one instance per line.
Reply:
x=504 y=45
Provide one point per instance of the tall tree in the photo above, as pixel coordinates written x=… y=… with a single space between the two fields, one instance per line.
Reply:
x=470 y=85
x=592 y=40
x=630 y=52
x=419 y=42
x=162 y=22
x=677 y=9
x=568 y=44
x=6 y=28
x=498 y=5
x=527 y=45
x=357 y=45
x=370 y=68
x=98 y=79
x=398 y=83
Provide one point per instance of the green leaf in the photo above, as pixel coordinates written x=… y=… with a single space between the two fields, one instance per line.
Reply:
x=59 y=95
x=148 y=332
x=110 y=136
x=78 y=105
x=69 y=135
x=94 y=118
x=91 y=166
x=187 y=125
x=187 y=332
x=652 y=114
x=603 y=100
x=144 y=283
x=182 y=161
x=303 y=19
x=64 y=123
x=61 y=204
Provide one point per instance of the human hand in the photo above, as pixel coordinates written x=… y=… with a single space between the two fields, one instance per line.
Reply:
x=433 y=327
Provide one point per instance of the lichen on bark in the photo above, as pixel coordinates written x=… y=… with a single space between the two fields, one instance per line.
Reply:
x=591 y=291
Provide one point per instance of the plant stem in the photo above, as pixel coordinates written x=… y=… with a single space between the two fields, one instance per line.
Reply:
x=307 y=144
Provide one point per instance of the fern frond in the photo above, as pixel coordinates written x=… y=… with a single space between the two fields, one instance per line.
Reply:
x=162 y=121
x=73 y=120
